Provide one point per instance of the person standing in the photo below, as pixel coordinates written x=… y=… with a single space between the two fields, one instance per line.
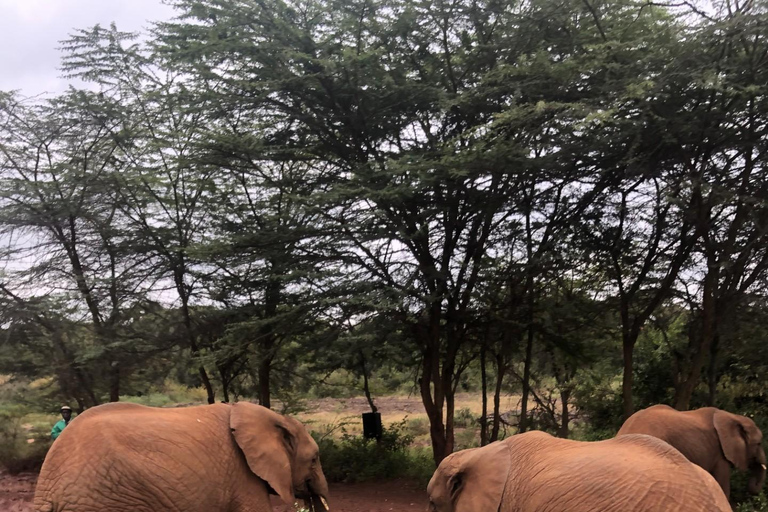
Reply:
x=66 y=414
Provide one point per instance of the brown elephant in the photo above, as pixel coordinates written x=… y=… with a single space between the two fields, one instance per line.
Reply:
x=535 y=472
x=228 y=458
x=708 y=437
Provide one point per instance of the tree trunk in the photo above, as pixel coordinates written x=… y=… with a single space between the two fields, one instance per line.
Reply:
x=114 y=382
x=366 y=388
x=523 y=424
x=181 y=289
x=500 y=371
x=265 y=368
x=436 y=427
x=272 y=299
x=484 y=385
x=529 y=282
x=628 y=347
x=226 y=378
x=563 y=431
x=450 y=407
x=705 y=340
x=712 y=373
x=225 y=391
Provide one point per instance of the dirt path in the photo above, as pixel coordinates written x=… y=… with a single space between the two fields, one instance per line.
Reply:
x=16 y=493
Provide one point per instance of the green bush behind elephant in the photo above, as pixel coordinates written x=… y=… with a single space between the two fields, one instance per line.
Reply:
x=127 y=457
x=709 y=437
x=535 y=472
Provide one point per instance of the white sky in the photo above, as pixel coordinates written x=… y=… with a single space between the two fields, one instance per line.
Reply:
x=30 y=32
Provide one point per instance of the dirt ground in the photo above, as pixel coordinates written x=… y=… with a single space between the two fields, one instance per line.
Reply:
x=16 y=493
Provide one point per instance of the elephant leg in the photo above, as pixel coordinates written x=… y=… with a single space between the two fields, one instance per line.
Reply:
x=722 y=474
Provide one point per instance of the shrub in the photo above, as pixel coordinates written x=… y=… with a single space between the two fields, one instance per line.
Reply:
x=465 y=419
x=466 y=438
x=416 y=426
x=356 y=459
x=22 y=447
x=757 y=504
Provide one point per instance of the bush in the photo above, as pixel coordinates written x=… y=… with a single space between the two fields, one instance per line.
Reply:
x=465 y=419
x=466 y=438
x=416 y=427
x=22 y=446
x=356 y=459
x=757 y=504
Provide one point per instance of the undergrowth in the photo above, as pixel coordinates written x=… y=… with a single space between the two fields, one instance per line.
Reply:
x=353 y=458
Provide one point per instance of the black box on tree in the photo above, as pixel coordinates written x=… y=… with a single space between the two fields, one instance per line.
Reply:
x=372 y=425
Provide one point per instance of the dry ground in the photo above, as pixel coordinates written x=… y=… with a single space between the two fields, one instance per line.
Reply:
x=325 y=414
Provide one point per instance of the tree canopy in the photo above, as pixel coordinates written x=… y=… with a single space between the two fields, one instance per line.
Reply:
x=565 y=197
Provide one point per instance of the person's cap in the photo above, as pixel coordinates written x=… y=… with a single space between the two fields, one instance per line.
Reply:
x=66 y=408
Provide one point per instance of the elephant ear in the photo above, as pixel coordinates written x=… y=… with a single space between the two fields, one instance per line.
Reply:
x=733 y=438
x=268 y=443
x=479 y=478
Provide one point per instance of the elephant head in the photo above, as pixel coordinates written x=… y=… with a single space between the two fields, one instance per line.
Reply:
x=280 y=451
x=741 y=442
x=471 y=480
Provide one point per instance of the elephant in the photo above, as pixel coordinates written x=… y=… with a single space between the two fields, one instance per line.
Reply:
x=535 y=472
x=708 y=437
x=229 y=458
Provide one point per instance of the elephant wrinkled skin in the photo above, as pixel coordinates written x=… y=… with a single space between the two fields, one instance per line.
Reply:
x=127 y=457
x=708 y=437
x=535 y=472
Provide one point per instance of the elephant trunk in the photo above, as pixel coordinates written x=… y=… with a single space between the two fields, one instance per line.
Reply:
x=317 y=501
x=757 y=473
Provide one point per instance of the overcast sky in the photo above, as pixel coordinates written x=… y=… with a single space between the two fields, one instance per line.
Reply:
x=30 y=31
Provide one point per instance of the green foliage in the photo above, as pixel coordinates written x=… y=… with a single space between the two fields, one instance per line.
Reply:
x=356 y=459
x=416 y=426
x=598 y=395
x=463 y=418
x=170 y=393
x=24 y=439
x=743 y=500
x=757 y=503
x=314 y=199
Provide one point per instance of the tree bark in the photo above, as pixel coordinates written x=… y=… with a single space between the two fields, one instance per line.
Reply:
x=628 y=348
x=523 y=424
x=529 y=283
x=181 y=289
x=366 y=388
x=500 y=371
x=712 y=373
x=431 y=385
x=114 y=382
x=484 y=385
x=705 y=340
x=265 y=368
x=564 y=431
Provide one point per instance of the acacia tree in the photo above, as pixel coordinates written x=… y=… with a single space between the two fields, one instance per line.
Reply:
x=269 y=255
x=426 y=114
x=164 y=180
x=68 y=237
x=727 y=150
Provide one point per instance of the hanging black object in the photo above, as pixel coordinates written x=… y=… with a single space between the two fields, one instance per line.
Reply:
x=372 y=425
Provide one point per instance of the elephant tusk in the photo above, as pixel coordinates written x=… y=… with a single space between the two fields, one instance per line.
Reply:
x=763 y=466
x=325 y=503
